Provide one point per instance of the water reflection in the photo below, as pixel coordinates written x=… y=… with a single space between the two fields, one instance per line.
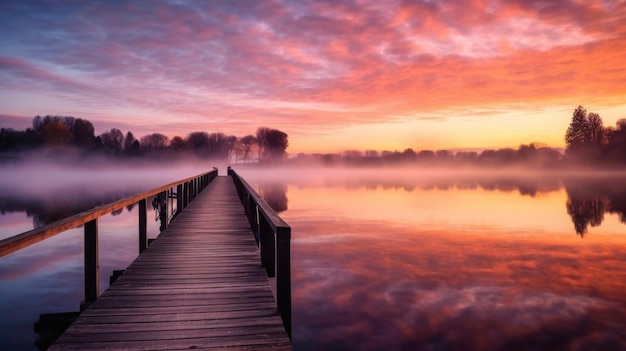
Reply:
x=588 y=200
x=47 y=210
x=416 y=290
x=275 y=194
x=48 y=277
x=422 y=263
x=457 y=264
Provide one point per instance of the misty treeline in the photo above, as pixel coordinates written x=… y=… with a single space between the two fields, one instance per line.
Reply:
x=65 y=133
x=588 y=143
x=588 y=201
x=532 y=155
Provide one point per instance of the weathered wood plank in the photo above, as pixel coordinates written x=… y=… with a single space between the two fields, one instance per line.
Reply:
x=199 y=285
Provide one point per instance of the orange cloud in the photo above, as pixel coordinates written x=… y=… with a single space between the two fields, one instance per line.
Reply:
x=309 y=67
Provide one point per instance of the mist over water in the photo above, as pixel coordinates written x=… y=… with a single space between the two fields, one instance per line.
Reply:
x=382 y=258
x=39 y=178
x=49 y=190
x=424 y=259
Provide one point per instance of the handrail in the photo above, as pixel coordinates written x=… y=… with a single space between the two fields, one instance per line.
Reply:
x=273 y=236
x=186 y=189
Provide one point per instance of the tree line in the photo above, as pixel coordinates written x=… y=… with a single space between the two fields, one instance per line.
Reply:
x=531 y=156
x=589 y=142
x=76 y=133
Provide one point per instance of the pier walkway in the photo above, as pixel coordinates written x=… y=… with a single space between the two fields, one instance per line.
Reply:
x=199 y=285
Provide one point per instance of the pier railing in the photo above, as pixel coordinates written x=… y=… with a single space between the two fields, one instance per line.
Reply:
x=274 y=239
x=186 y=190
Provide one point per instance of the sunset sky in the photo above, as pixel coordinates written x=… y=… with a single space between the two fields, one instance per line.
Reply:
x=333 y=75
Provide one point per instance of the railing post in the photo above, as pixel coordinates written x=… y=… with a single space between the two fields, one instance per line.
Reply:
x=185 y=194
x=283 y=275
x=143 y=225
x=179 y=199
x=254 y=222
x=91 y=261
x=267 y=246
x=163 y=210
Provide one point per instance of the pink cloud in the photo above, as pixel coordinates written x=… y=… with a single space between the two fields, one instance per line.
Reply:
x=334 y=63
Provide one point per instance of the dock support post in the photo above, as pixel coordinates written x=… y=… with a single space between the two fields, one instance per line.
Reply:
x=283 y=275
x=163 y=210
x=179 y=199
x=185 y=194
x=91 y=261
x=143 y=225
x=266 y=239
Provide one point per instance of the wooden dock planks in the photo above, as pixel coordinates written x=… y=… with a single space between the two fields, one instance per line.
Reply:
x=200 y=286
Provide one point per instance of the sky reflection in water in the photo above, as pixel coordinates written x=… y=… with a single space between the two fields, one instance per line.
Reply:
x=381 y=263
x=385 y=268
x=48 y=276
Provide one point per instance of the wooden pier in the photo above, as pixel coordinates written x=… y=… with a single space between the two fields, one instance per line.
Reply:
x=199 y=285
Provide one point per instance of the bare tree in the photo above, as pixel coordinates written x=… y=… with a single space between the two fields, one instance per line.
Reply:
x=113 y=141
x=276 y=143
x=247 y=142
x=154 y=142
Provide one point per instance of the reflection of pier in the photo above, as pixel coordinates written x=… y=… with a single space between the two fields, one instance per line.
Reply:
x=200 y=283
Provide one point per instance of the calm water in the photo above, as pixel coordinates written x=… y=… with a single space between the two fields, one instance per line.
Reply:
x=404 y=261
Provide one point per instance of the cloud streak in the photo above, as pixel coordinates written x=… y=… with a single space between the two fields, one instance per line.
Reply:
x=296 y=63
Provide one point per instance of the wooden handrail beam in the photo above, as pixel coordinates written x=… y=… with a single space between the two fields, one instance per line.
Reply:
x=274 y=239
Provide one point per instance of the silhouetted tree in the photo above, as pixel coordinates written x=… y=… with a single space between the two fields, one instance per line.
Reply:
x=128 y=141
x=218 y=146
x=198 y=142
x=616 y=144
x=55 y=133
x=596 y=129
x=232 y=146
x=444 y=156
x=247 y=142
x=276 y=143
x=178 y=144
x=261 y=139
x=131 y=145
x=425 y=156
x=83 y=134
x=466 y=157
x=577 y=134
x=113 y=141
x=154 y=143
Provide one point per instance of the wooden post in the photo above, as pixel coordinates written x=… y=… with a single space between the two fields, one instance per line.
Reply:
x=190 y=190
x=143 y=225
x=91 y=261
x=163 y=210
x=185 y=194
x=283 y=275
x=179 y=199
x=254 y=221
x=267 y=246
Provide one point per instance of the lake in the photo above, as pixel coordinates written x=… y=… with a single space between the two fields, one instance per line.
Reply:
x=399 y=260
